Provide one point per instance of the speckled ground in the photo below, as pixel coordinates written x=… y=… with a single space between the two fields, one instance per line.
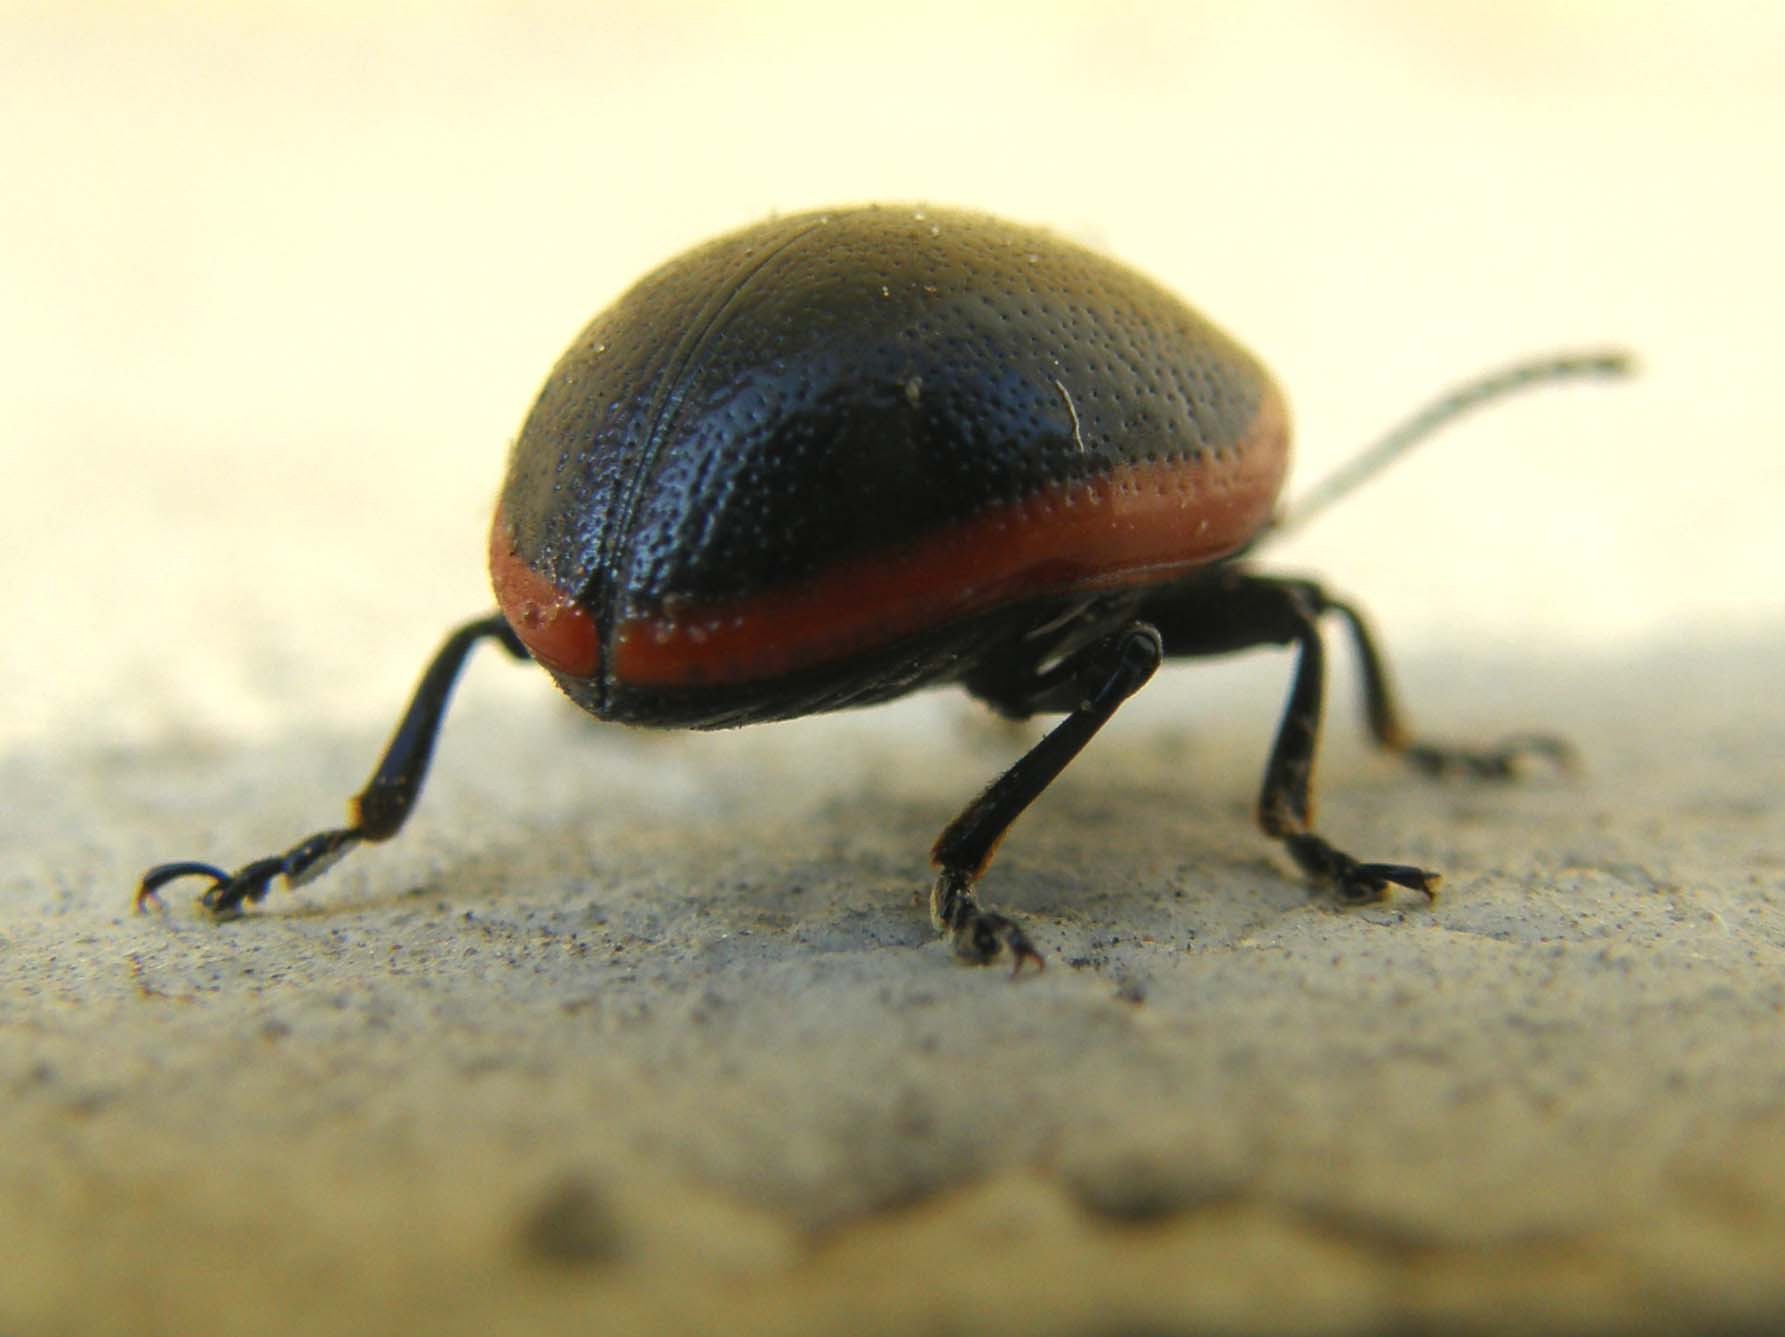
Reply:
x=651 y=1035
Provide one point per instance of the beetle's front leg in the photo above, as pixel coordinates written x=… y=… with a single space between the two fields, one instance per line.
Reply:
x=1499 y=761
x=1120 y=665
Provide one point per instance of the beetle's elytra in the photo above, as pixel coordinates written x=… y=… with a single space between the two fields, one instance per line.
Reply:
x=834 y=458
x=798 y=447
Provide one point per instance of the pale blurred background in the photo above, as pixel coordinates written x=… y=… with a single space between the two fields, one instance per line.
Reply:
x=278 y=282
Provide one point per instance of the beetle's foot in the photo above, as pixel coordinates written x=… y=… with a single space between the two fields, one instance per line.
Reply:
x=1504 y=761
x=1357 y=883
x=227 y=892
x=980 y=936
x=250 y=883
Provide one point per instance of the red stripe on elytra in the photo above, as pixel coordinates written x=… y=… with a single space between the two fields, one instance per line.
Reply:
x=560 y=632
x=1137 y=525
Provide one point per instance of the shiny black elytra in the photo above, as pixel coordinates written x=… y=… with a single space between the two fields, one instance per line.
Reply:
x=835 y=458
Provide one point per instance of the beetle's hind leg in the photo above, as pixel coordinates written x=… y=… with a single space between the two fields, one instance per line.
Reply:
x=380 y=809
x=1118 y=666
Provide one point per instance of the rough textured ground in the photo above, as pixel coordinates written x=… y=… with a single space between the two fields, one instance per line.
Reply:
x=641 y=1034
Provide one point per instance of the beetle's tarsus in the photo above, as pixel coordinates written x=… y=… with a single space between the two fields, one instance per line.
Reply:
x=252 y=882
x=987 y=935
x=980 y=936
x=1357 y=883
x=1504 y=761
x=227 y=891
x=148 y=891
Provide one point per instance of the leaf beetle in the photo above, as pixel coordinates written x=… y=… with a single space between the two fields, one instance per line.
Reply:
x=834 y=458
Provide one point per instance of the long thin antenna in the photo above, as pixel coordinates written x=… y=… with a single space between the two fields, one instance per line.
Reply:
x=1538 y=371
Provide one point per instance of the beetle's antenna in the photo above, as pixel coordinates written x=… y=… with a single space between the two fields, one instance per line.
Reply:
x=1439 y=413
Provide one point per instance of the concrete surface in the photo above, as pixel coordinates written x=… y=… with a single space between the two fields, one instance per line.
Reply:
x=636 y=1034
x=651 y=1035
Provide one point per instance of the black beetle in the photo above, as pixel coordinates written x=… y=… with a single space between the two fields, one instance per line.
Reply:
x=834 y=458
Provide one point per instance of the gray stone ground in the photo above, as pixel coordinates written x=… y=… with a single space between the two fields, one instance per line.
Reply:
x=642 y=1034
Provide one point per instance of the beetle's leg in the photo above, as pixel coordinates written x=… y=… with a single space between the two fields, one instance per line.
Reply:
x=1233 y=610
x=380 y=809
x=1286 y=802
x=1498 y=762
x=1120 y=665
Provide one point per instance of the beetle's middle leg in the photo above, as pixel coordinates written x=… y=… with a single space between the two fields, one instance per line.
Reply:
x=1119 y=666
x=1286 y=801
x=1234 y=609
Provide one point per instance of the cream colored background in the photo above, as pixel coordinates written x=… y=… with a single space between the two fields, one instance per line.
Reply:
x=278 y=282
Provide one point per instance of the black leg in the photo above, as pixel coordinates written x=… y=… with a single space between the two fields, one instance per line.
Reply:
x=1286 y=802
x=1118 y=667
x=1501 y=761
x=1233 y=610
x=380 y=809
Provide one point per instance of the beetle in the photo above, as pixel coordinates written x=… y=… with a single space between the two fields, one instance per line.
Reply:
x=835 y=458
